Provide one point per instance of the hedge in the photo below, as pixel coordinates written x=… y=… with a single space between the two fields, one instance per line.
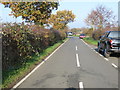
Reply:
x=21 y=41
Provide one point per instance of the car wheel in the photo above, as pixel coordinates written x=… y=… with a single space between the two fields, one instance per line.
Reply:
x=106 y=52
x=98 y=49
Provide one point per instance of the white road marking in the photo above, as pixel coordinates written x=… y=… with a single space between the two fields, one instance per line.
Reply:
x=101 y=55
x=87 y=44
x=96 y=52
x=92 y=48
x=106 y=59
x=81 y=85
x=114 y=65
x=37 y=67
x=84 y=42
x=76 y=48
x=78 y=62
x=55 y=50
x=27 y=76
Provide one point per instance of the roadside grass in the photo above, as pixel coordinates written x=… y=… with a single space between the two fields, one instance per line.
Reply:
x=76 y=35
x=91 y=41
x=10 y=77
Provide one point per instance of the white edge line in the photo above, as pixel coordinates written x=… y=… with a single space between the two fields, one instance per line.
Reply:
x=95 y=51
x=78 y=63
x=36 y=67
x=81 y=85
x=27 y=76
x=101 y=55
x=106 y=59
x=87 y=44
x=84 y=42
x=114 y=65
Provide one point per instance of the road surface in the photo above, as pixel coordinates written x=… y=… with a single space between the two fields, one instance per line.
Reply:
x=75 y=65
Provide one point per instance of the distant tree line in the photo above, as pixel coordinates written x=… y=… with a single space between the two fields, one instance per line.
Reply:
x=98 y=21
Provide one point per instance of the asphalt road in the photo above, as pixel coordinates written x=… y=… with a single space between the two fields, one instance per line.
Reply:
x=75 y=65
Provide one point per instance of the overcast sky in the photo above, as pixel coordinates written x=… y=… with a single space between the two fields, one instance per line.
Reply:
x=79 y=8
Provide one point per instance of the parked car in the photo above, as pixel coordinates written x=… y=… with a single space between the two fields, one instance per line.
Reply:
x=109 y=43
x=82 y=36
x=69 y=33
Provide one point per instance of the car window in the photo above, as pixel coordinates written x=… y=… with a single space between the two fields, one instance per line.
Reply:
x=82 y=34
x=114 y=34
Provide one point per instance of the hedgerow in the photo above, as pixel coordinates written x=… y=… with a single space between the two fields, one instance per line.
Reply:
x=20 y=42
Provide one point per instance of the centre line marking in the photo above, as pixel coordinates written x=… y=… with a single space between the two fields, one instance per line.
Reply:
x=114 y=65
x=81 y=85
x=78 y=63
x=76 y=48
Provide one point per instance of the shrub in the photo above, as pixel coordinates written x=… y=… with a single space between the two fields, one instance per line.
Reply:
x=20 y=42
x=88 y=31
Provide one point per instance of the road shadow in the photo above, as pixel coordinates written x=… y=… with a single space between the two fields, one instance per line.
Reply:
x=117 y=55
x=72 y=89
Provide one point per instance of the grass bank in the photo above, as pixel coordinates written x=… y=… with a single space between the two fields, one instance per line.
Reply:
x=11 y=77
x=91 y=41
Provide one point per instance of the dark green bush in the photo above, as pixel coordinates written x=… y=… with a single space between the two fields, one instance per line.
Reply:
x=20 y=42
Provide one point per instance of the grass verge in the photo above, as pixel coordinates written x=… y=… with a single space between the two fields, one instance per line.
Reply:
x=11 y=77
x=76 y=35
x=91 y=41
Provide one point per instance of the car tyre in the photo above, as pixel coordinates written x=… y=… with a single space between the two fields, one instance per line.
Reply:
x=105 y=52
x=98 y=49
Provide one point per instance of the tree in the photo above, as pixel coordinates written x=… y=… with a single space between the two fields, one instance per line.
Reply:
x=37 y=12
x=61 y=19
x=76 y=30
x=100 y=18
